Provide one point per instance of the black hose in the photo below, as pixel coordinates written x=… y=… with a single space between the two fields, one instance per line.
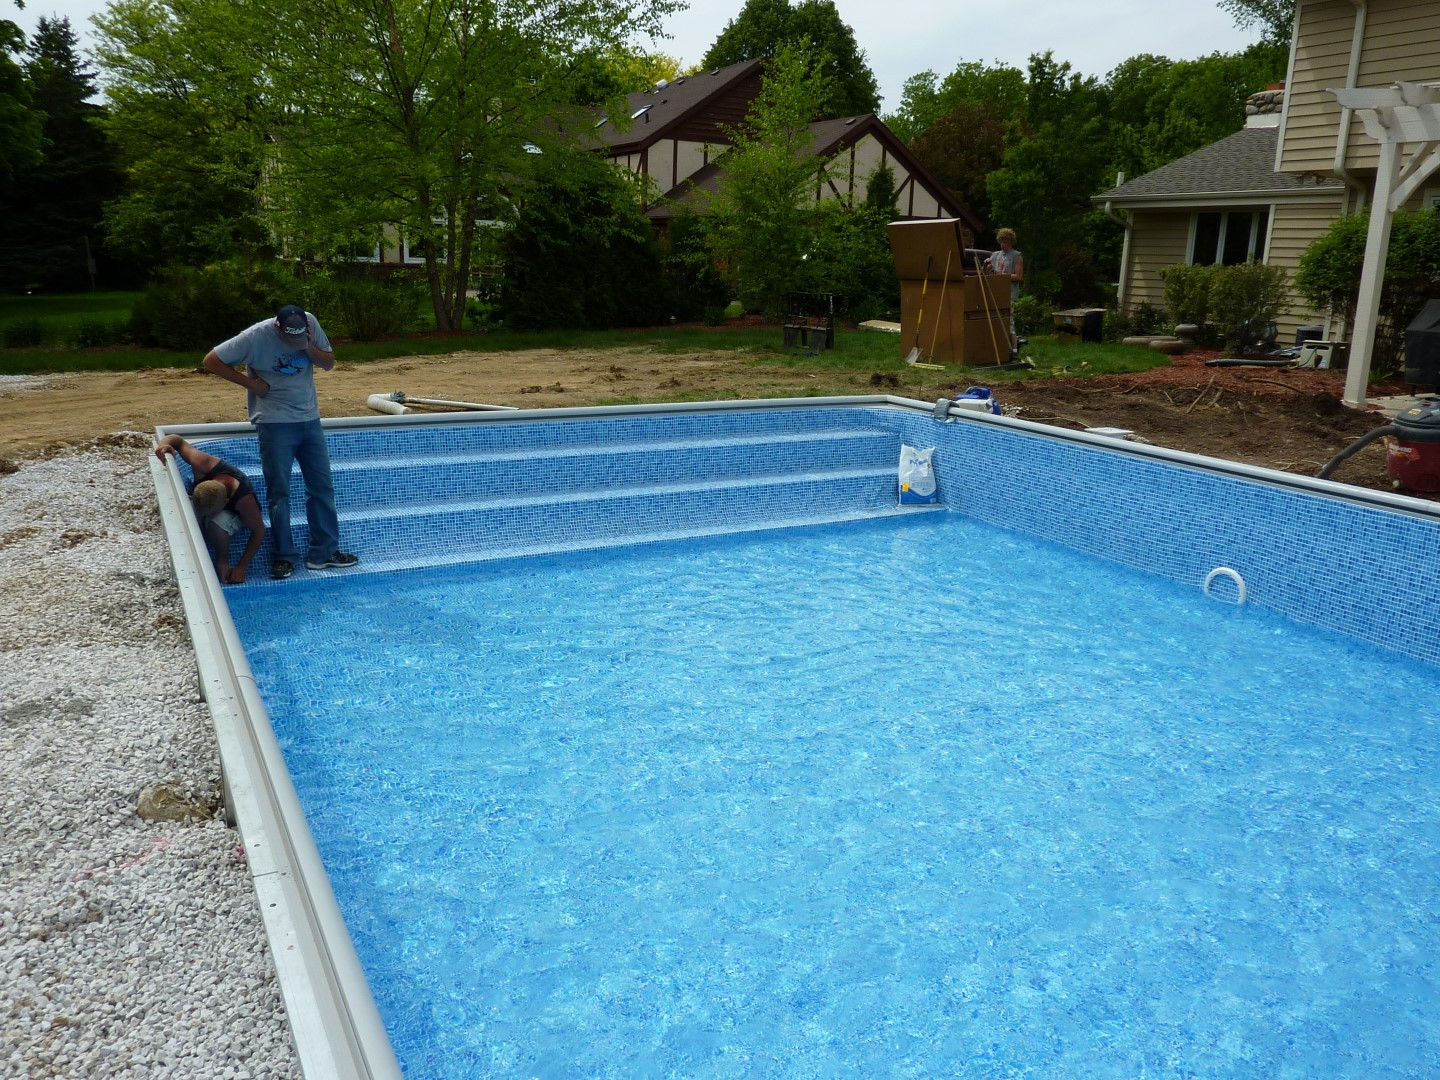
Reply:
x=1358 y=445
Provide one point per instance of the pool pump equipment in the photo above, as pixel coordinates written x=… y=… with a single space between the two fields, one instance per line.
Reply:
x=1413 y=457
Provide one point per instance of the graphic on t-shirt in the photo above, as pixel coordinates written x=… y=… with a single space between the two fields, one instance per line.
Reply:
x=291 y=363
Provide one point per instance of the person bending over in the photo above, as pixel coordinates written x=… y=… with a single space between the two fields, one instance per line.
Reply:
x=280 y=356
x=224 y=499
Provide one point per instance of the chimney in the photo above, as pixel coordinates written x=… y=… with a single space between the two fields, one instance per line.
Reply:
x=1263 y=109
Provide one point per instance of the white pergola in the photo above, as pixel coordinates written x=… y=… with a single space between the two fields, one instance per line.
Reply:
x=1396 y=117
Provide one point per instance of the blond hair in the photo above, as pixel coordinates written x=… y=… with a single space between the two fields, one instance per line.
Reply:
x=208 y=498
x=1005 y=234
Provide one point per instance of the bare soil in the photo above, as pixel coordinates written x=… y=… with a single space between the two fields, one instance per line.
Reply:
x=1281 y=419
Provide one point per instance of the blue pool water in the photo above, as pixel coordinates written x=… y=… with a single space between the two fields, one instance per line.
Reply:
x=910 y=799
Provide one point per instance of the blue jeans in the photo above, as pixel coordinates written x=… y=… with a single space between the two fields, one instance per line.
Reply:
x=280 y=446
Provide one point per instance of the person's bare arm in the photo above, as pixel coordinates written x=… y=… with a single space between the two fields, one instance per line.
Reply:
x=249 y=510
x=197 y=459
x=213 y=364
x=1019 y=274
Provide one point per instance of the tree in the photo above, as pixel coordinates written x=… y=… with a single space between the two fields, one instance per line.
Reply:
x=925 y=99
x=188 y=128
x=962 y=148
x=762 y=208
x=1276 y=17
x=54 y=209
x=414 y=114
x=764 y=26
x=21 y=127
x=580 y=252
x=1055 y=159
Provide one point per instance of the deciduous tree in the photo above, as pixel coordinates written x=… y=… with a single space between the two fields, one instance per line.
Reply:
x=416 y=114
x=21 y=127
x=763 y=26
x=762 y=210
x=1276 y=18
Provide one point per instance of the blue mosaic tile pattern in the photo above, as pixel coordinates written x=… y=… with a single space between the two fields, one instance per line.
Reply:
x=467 y=492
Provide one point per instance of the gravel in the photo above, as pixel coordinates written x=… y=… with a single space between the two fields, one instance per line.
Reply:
x=127 y=948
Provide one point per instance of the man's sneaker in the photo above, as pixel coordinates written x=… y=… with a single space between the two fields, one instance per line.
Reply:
x=281 y=569
x=340 y=560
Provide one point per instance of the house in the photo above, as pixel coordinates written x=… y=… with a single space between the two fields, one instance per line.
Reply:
x=674 y=134
x=1301 y=162
x=677 y=131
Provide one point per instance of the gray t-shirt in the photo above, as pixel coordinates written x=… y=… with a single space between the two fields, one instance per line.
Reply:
x=264 y=352
x=1006 y=262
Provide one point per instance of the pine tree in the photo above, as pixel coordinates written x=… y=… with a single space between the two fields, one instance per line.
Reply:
x=55 y=207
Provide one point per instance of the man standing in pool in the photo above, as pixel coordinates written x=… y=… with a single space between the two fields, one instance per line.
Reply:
x=224 y=500
x=279 y=356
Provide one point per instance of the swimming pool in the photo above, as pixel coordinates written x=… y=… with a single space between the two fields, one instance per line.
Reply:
x=1163 y=512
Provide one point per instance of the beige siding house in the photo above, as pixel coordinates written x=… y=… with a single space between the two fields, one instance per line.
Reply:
x=1300 y=163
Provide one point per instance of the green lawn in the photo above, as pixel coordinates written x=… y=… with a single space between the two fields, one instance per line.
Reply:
x=61 y=314
x=855 y=350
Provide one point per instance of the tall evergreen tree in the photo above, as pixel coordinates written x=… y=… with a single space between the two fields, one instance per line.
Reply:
x=763 y=26
x=54 y=209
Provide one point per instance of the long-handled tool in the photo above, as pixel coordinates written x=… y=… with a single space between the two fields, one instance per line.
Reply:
x=914 y=354
x=990 y=310
x=940 y=311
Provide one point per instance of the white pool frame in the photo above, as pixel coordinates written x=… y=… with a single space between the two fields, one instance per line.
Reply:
x=337 y=1028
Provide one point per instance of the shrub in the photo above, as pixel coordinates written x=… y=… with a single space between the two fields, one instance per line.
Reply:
x=188 y=308
x=1329 y=276
x=24 y=334
x=1032 y=315
x=1245 y=298
x=352 y=304
x=1145 y=319
x=95 y=333
x=1187 y=293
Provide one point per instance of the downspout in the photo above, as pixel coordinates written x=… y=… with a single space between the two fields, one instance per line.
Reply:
x=1352 y=77
x=1342 y=143
x=1124 y=221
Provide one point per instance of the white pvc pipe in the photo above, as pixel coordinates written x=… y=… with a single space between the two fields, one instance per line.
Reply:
x=457 y=404
x=386 y=404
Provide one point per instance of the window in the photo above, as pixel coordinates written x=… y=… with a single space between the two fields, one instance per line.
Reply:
x=1229 y=237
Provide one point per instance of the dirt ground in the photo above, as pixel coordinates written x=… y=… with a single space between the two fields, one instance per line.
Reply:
x=1282 y=419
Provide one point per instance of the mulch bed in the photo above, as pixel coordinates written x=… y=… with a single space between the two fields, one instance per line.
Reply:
x=1188 y=371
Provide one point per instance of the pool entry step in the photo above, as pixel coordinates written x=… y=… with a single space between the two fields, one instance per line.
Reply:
x=446 y=494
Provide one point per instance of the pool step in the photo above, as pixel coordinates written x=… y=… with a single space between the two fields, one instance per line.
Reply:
x=392 y=480
x=487 y=497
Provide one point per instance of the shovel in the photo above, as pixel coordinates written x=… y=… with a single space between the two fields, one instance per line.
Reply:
x=913 y=355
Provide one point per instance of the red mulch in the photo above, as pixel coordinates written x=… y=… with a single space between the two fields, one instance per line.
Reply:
x=1188 y=370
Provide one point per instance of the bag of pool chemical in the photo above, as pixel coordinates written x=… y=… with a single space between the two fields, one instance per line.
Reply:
x=917 y=476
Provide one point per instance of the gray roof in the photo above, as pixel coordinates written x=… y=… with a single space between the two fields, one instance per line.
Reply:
x=1239 y=164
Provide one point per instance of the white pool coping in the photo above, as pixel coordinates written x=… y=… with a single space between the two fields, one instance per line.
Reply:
x=329 y=1005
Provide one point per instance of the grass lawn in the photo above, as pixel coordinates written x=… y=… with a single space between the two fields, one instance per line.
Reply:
x=62 y=313
x=854 y=349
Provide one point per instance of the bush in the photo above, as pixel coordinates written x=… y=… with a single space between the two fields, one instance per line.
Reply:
x=196 y=309
x=1329 y=276
x=1246 y=298
x=95 y=333
x=1032 y=315
x=1145 y=319
x=1228 y=303
x=25 y=334
x=1187 y=293
x=352 y=304
x=582 y=254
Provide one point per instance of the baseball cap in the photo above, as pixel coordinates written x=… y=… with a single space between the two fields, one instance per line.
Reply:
x=292 y=319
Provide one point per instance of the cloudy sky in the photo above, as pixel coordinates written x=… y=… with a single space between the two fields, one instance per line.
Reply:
x=903 y=37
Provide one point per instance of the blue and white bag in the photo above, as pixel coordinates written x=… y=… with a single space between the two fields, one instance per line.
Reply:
x=917 y=476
